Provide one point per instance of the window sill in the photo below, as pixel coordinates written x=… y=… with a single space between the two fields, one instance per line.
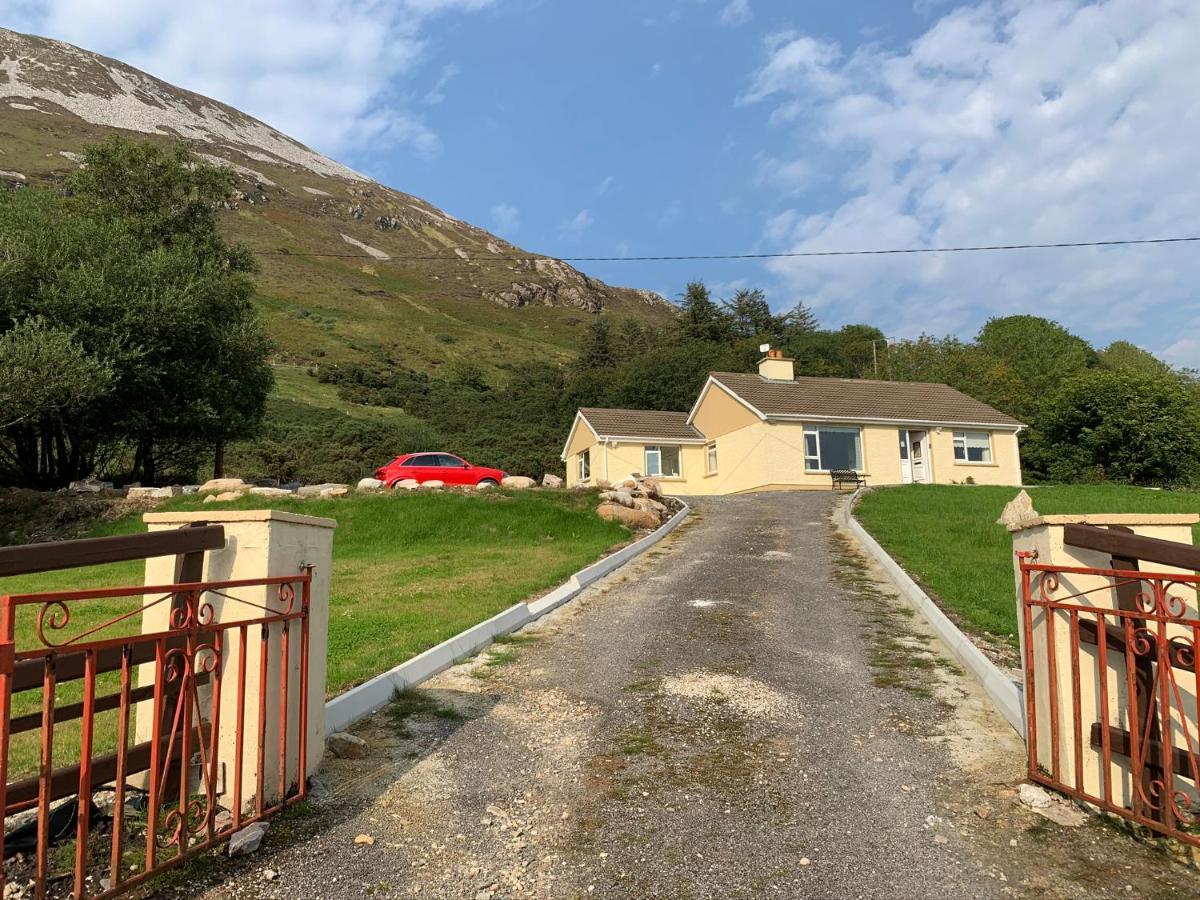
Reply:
x=963 y=462
x=827 y=471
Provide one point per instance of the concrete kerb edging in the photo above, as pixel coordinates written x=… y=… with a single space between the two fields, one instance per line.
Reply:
x=1002 y=690
x=359 y=702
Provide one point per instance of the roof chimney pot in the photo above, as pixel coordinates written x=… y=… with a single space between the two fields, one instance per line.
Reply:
x=777 y=367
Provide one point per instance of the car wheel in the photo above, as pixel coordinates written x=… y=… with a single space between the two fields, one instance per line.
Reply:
x=490 y=482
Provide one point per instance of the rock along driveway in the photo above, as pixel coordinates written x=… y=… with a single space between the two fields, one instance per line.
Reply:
x=741 y=713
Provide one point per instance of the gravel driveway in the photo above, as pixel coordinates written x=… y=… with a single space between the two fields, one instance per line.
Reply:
x=740 y=713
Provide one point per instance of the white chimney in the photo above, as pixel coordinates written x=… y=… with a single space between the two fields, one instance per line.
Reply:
x=777 y=367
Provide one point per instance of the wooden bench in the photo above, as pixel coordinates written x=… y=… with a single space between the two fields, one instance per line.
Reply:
x=847 y=478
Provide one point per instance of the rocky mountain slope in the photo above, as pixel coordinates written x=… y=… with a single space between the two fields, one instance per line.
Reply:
x=338 y=281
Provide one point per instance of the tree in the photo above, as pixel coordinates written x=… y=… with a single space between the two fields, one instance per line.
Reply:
x=150 y=294
x=848 y=352
x=47 y=373
x=1041 y=353
x=750 y=315
x=703 y=319
x=1125 y=355
x=597 y=350
x=798 y=320
x=963 y=366
x=1127 y=426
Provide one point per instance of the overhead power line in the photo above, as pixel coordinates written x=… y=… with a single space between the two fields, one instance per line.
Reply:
x=891 y=251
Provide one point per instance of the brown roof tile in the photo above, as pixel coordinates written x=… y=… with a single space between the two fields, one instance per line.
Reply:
x=852 y=398
x=641 y=423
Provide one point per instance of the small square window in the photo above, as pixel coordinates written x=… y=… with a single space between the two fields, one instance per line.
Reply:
x=662 y=461
x=972 y=447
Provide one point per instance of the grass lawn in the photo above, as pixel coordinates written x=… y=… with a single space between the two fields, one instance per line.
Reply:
x=409 y=571
x=946 y=536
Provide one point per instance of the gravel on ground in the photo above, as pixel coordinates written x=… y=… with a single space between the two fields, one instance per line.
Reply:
x=745 y=711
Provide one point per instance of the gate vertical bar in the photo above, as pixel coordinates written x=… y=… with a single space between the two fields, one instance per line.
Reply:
x=239 y=729
x=284 y=631
x=7 y=651
x=1031 y=736
x=86 y=733
x=49 y=682
x=305 y=598
x=118 y=818
x=1105 y=737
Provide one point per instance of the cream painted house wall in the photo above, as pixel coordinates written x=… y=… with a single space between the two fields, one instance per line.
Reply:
x=1004 y=469
x=756 y=454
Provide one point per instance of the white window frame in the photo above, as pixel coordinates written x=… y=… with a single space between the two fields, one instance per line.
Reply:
x=585 y=465
x=710 y=459
x=966 y=440
x=656 y=450
x=813 y=464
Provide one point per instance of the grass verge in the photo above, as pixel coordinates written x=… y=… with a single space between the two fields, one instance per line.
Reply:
x=947 y=538
x=409 y=571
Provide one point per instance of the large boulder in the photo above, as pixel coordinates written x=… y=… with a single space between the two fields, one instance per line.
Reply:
x=154 y=493
x=433 y=483
x=338 y=490
x=270 y=492
x=632 y=518
x=519 y=482
x=89 y=486
x=319 y=490
x=485 y=485
x=406 y=484
x=651 y=506
x=652 y=487
x=224 y=485
x=551 y=481
x=623 y=497
x=370 y=485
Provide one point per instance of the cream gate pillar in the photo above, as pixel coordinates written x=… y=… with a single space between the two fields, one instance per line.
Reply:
x=258 y=544
x=1044 y=536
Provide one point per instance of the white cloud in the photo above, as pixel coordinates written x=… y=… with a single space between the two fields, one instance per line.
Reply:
x=736 y=12
x=656 y=69
x=604 y=184
x=576 y=225
x=788 y=175
x=437 y=93
x=322 y=71
x=505 y=218
x=1021 y=121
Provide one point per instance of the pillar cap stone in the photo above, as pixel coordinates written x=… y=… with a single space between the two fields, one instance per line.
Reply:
x=237 y=515
x=1108 y=519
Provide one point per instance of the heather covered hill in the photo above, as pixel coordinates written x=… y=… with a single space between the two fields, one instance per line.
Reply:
x=333 y=285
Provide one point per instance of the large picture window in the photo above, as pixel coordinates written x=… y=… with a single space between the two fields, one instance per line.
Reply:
x=972 y=446
x=662 y=461
x=585 y=465
x=827 y=448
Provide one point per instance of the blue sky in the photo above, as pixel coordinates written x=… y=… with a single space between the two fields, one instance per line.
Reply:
x=716 y=126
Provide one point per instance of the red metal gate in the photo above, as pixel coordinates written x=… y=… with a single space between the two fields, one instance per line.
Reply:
x=202 y=642
x=1111 y=680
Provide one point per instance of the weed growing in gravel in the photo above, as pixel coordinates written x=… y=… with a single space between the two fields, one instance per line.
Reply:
x=494 y=658
x=412 y=703
x=895 y=660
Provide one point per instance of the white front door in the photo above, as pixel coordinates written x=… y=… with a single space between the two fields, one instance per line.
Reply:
x=906 y=474
x=918 y=454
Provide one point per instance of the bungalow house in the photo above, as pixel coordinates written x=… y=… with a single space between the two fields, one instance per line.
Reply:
x=774 y=431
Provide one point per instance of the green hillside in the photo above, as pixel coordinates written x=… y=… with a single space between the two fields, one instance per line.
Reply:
x=297 y=210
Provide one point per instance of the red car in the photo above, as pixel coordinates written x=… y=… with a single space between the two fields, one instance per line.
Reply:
x=445 y=467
